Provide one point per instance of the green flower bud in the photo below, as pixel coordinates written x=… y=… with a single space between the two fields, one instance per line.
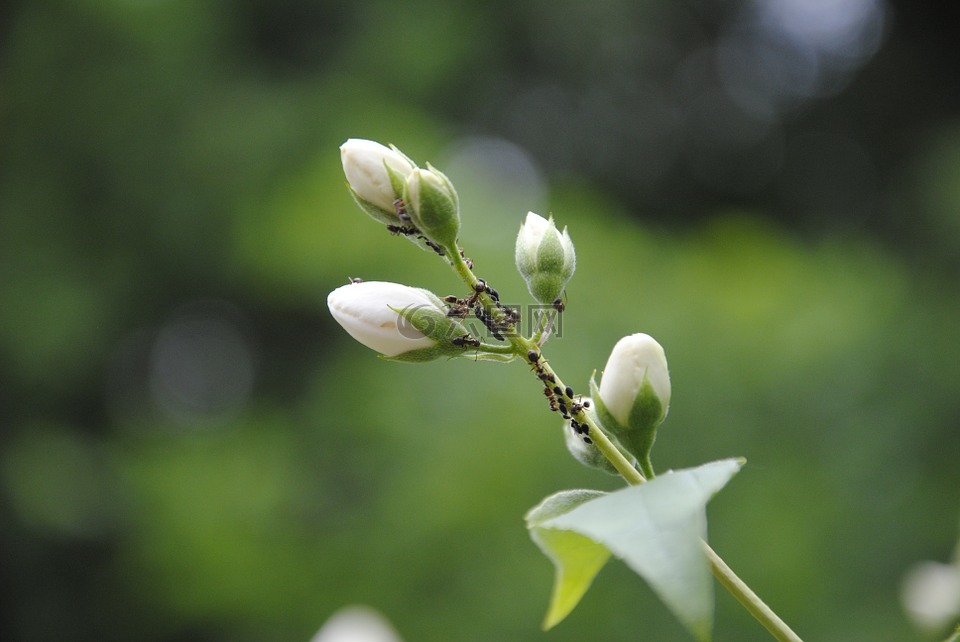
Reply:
x=398 y=321
x=434 y=206
x=545 y=257
x=634 y=393
x=376 y=175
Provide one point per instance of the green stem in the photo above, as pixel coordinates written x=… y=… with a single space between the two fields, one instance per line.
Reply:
x=599 y=438
x=461 y=268
x=493 y=348
x=646 y=466
x=750 y=600
x=529 y=350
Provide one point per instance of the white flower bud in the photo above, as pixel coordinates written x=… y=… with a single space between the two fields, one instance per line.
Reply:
x=376 y=175
x=634 y=393
x=931 y=594
x=544 y=257
x=369 y=312
x=399 y=322
x=434 y=206
x=636 y=362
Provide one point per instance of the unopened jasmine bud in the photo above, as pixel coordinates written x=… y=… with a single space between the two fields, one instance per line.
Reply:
x=376 y=175
x=398 y=321
x=544 y=257
x=634 y=393
x=434 y=206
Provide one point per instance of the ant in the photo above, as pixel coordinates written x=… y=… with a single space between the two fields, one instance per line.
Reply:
x=579 y=405
x=433 y=246
x=459 y=311
x=554 y=407
x=551 y=390
x=402 y=229
x=459 y=308
x=534 y=358
x=559 y=305
x=466 y=340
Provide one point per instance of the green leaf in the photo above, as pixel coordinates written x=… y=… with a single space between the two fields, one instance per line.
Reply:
x=656 y=528
x=577 y=559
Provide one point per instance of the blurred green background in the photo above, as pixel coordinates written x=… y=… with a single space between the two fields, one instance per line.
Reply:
x=192 y=449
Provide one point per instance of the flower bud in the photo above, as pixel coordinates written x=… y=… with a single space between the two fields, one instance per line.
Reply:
x=398 y=321
x=634 y=393
x=376 y=175
x=434 y=206
x=582 y=448
x=545 y=257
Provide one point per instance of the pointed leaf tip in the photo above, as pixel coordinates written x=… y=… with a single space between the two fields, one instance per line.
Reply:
x=654 y=527
x=576 y=559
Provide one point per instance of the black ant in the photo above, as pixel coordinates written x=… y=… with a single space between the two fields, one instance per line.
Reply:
x=466 y=340
x=458 y=310
x=433 y=246
x=559 y=305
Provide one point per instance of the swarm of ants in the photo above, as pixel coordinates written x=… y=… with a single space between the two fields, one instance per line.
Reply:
x=505 y=319
x=561 y=401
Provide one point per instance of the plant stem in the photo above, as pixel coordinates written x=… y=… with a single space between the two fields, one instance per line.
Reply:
x=492 y=348
x=599 y=438
x=529 y=350
x=750 y=600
